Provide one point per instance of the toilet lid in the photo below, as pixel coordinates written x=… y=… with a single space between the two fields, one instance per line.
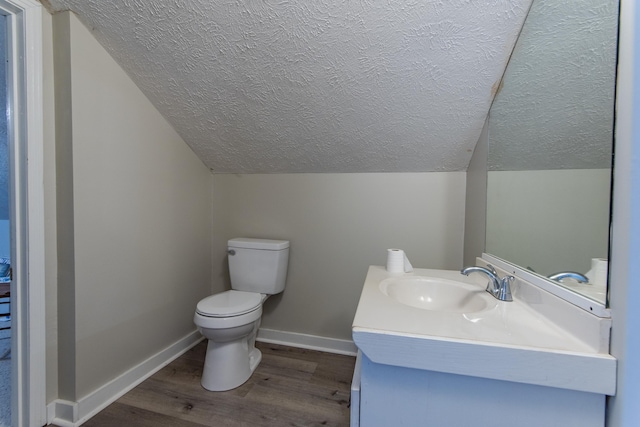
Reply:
x=229 y=303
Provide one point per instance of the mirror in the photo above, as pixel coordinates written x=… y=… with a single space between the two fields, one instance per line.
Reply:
x=550 y=145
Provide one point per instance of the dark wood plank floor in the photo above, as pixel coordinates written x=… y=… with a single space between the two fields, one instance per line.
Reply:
x=290 y=387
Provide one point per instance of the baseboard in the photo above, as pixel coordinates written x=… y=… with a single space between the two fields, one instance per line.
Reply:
x=62 y=413
x=72 y=414
x=311 y=342
x=66 y=413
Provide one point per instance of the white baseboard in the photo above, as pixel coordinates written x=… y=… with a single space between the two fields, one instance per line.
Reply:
x=65 y=413
x=311 y=342
x=72 y=414
x=62 y=412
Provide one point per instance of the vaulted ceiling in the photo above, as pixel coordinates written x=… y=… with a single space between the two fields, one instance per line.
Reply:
x=315 y=86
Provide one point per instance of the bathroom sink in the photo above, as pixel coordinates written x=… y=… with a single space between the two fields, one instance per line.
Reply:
x=443 y=321
x=437 y=294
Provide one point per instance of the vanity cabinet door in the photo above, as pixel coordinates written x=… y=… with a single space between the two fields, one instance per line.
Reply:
x=391 y=395
x=355 y=392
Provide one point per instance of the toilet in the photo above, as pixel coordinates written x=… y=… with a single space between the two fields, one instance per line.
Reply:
x=230 y=319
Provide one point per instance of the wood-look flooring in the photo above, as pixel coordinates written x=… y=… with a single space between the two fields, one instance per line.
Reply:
x=290 y=387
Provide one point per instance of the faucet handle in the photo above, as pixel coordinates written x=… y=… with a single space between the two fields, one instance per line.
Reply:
x=504 y=293
x=492 y=269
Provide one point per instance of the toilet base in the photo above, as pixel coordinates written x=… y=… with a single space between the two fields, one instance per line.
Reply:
x=254 y=359
x=228 y=365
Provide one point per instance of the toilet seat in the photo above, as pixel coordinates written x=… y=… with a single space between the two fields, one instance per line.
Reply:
x=210 y=322
x=229 y=304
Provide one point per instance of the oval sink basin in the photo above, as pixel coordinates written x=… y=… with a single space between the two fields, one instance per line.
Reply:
x=436 y=294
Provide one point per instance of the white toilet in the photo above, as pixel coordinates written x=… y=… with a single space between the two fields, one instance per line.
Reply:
x=230 y=320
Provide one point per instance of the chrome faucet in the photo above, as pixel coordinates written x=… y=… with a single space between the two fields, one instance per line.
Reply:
x=499 y=288
x=581 y=278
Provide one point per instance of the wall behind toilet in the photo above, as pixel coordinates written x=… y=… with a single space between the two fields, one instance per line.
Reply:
x=338 y=225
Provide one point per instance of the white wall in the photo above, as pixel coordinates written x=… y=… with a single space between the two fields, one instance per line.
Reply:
x=134 y=219
x=623 y=409
x=51 y=256
x=338 y=225
x=522 y=228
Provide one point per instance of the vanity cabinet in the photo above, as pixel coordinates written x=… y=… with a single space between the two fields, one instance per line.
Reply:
x=535 y=361
x=385 y=395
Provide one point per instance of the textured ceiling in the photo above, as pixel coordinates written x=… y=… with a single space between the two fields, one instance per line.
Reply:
x=555 y=109
x=315 y=86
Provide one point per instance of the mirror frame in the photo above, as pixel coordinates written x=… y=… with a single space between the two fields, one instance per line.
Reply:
x=594 y=307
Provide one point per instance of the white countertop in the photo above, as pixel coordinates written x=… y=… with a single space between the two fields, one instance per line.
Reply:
x=510 y=341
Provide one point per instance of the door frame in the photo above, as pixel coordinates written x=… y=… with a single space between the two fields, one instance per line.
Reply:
x=25 y=141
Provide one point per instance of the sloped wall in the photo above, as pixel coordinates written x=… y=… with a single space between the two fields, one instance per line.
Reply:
x=134 y=219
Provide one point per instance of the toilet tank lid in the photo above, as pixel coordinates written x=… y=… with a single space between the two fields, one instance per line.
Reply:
x=266 y=244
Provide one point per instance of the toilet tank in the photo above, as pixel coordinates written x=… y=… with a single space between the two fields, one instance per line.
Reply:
x=258 y=265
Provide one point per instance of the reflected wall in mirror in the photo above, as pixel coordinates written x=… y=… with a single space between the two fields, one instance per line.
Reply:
x=550 y=144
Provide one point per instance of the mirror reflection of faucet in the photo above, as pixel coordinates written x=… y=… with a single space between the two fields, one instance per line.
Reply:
x=499 y=288
x=597 y=276
x=593 y=284
x=578 y=277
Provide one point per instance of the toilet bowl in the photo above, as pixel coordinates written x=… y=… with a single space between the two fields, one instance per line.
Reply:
x=230 y=320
